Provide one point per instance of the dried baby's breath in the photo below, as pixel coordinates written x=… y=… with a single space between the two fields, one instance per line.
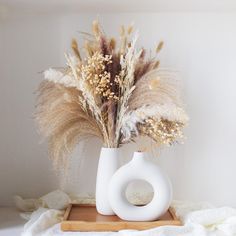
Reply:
x=97 y=76
x=162 y=131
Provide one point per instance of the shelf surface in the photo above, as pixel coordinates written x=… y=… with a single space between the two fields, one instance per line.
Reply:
x=10 y=222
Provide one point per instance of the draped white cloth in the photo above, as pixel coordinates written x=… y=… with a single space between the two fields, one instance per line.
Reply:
x=199 y=219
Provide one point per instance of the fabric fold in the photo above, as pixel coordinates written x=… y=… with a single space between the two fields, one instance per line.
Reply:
x=199 y=219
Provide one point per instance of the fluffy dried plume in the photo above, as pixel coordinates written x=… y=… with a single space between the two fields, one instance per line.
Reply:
x=156 y=95
x=62 y=120
x=113 y=92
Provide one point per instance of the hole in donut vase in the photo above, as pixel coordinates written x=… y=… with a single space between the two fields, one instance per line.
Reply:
x=139 y=192
x=140 y=168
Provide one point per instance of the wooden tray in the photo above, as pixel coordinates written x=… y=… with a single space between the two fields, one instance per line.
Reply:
x=80 y=217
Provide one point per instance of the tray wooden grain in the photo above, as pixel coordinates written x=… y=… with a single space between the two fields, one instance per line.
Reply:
x=84 y=218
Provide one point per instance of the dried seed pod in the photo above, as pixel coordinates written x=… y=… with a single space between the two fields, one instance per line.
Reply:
x=156 y=65
x=88 y=48
x=159 y=47
x=96 y=29
x=74 y=46
x=122 y=31
x=154 y=83
x=130 y=29
x=112 y=43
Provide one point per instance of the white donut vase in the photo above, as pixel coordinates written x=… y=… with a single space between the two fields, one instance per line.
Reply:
x=139 y=168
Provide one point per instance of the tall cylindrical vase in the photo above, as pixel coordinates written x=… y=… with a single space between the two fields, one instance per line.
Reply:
x=108 y=164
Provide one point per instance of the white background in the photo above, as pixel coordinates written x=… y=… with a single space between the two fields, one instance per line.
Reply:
x=201 y=45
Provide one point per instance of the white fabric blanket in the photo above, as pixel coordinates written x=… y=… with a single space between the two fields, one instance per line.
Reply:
x=200 y=219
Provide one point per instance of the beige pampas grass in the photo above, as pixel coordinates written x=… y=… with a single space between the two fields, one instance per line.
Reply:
x=155 y=88
x=155 y=100
x=115 y=93
x=62 y=120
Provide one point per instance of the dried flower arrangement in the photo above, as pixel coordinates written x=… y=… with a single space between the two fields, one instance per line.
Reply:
x=115 y=93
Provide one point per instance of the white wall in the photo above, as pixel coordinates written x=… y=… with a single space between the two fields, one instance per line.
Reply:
x=28 y=46
x=200 y=45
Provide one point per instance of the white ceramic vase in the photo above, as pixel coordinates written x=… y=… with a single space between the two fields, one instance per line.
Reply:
x=108 y=164
x=139 y=168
